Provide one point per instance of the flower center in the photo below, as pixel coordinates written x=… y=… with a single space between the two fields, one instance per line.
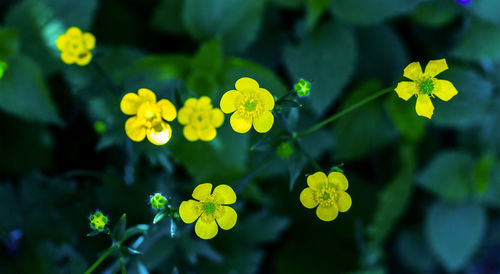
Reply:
x=209 y=208
x=326 y=196
x=426 y=86
x=250 y=105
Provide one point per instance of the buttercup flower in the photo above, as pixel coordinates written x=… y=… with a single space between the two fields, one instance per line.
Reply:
x=327 y=193
x=425 y=86
x=98 y=221
x=209 y=210
x=250 y=104
x=200 y=119
x=75 y=46
x=148 y=117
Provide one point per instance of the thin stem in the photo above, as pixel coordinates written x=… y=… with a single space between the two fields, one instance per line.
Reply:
x=280 y=100
x=343 y=112
x=111 y=85
x=122 y=262
x=99 y=261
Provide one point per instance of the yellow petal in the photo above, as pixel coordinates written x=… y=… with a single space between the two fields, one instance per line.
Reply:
x=227 y=218
x=339 y=180
x=190 y=133
x=202 y=191
x=130 y=103
x=190 y=211
x=239 y=123
x=413 y=71
x=207 y=134
x=135 y=130
x=147 y=95
x=266 y=98
x=327 y=213
x=229 y=100
x=344 y=201
x=406 y=89
x=315 y=179
x=61 y=42
x=435 y=67
x=160 y=134
x=424 y=106
x=307 y=198
x=224 y=194
x=444 y=90
x=191 y=102
x=74 y=31
x=168 y=111
x=89 y=40
x=246 y=83
x=206 y=230
x=184 y=115
x=204 y=102
x=83 y=59
x=68 y=58
x=264 y=122
x=216 y=117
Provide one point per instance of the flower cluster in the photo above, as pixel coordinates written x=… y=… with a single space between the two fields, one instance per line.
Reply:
x=200 y=119
x=75 y=46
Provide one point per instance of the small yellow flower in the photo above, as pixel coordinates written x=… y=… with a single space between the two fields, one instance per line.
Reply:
x=98 y=221
x=327 y=192
x=75 y=46
x=200 y=119
x=208 y=209
x=250 y=104
x=148 y=117
x=425 y=86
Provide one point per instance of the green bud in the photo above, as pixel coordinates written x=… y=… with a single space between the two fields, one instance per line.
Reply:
x=284 y=150
x=158 y=201
x=100 y=127
x=302 y=87
x=3 y=68
x=98 y=221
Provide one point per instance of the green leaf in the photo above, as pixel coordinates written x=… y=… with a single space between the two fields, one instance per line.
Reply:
x=370 y=12
x=411 y=126
x=435 y=13
x=236 y=22
x=93 y=233
x=326 y=58
x=314 y=10
x=492 y=193
x=10 y=43
x=119 y=229
x=24 y=93
x=469 y=106
x=414 y=252
x=208 y=59
x=449 y=175
x=488 y=10
x=159 y=216
x=134 y=230
x=472 y=47
x=454 y=232
x=168 y=17
x=483 y=173
x=133 y=251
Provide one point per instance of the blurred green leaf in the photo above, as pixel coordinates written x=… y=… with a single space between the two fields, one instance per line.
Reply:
x=488 y=10
x=93 y=233
x=435 y=13
x=326 y=58
x=134 y=230
x=483 y=173
x=119 y=229
x=159 y=216
x=10 y=43
x=469 y=106
x=314 y=10
x=449 y=175
x=454 y=232
x=168 y=17
x=351 y=130
x=8 y=198
x=23 y=92
x=236 y=22
x=412 y=250
x=492 y=193
x=473 y=48
x=133 y=251
x=369 y=12
x=208 y=59
x=287 y=4
x=262 y=227
x=411 y=126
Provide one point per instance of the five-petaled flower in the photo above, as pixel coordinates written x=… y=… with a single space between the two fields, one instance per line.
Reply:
x=327 y=193
x=200 y=119
x=250 y=104
x=98 y=221
x=75 y=46
x=148 y=117
x=425 y=86
x=209 y=210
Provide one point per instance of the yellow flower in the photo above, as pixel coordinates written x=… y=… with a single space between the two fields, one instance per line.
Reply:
x=200 y=119
x=425 y=86
x=148 y=117
x=75 y=46
x=329 y=193
x=251 y=104
x=208 y=209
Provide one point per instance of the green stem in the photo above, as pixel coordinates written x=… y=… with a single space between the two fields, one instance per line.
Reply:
x=280 y=100
x=343 y=112
x=122 y=262
x=99 y=261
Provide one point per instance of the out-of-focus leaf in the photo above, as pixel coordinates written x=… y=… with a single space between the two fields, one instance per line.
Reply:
x=134 y=230
x=10 y=42
x=133 y=251
x=369 y=12
x=351 y=131
x=411 y=126
x=314 y=10
x=236 y=22
x=262 y=227
x=159 y=216
x=8 y=198
x=435 y=13
x=483 y=173
x=287 y=4
x=119 y=229
x=413 y=251
x=295 y=165
x=93 y=233
x=473 y=48
x=488 y=10
x=208 y=59
x=492 y=193
x=469 y=106
x=327 y=58
x=194 y=248
x=23 y=92
x=168 y=16
x=454 y=232
x=449 y=175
